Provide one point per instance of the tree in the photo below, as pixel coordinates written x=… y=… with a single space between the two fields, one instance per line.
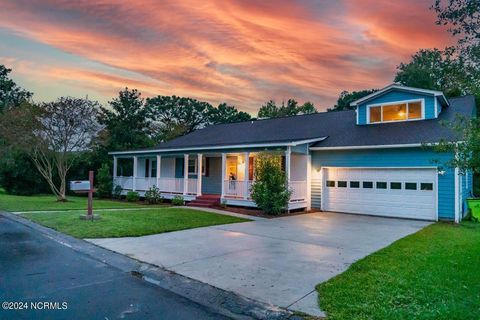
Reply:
x=19 y=176
x=53 y=134
x=225 y=113
x=11 y=94
x=271 y=110
x=467 y=131
x=104 y=182
x=463 y=19
x=128 y=122
x=270 y=189
x=345 y=98
x=437 y=70
x=174 y=116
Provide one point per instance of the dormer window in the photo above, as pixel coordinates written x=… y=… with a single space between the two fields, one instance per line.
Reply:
x=396 y=111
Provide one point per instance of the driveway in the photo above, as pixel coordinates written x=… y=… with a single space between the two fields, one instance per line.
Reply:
x=278 y=261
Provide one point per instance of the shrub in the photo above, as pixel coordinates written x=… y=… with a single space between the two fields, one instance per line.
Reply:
x=178 y=201
x=133 y=196
x=19 y=176
x=104 y=182
x=270 y=189
x=153 y=195
x=117 y=192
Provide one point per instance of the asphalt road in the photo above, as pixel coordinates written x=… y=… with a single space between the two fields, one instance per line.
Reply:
x=37 y=272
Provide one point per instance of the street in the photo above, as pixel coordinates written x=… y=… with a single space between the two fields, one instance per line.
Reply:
x=51 y=281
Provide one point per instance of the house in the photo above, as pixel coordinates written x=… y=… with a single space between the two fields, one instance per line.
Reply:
x=374 y=160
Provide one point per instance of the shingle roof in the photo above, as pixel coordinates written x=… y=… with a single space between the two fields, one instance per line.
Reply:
x=339 y=127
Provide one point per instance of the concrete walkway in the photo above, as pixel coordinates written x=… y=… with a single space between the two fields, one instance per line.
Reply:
x=277 y=261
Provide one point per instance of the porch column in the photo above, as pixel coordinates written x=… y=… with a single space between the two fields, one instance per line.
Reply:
x=224 y=160
x=199 y=174
x=185 y=174
x=135 y=165
x=309 y=181
x=159 y=166
x=288 y=153
x=246 y=157
x=115 y=161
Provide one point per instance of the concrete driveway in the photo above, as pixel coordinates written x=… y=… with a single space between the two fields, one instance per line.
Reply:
x=278 y=261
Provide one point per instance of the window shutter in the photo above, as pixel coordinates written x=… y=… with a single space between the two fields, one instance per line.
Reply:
x=207 y=166
x=147 y=167
x=283 y=163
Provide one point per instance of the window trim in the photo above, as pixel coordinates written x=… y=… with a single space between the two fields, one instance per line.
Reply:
x=386 y=104
x=204 y=163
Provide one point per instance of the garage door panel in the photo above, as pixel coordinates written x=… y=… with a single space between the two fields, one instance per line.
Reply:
x=402 y=202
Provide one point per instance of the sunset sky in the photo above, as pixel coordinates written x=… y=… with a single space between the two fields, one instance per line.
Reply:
x=240 y=52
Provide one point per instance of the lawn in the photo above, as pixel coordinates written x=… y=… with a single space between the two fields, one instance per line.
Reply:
x=432 y=274
x=49 y=202
x=130 y=223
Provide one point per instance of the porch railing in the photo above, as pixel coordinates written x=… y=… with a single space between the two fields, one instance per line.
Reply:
x=144 y=184
x=231 y=188
x=299 y=190
x=174 y=185
x=236 y=188
x=192 y=186
x=124 y=182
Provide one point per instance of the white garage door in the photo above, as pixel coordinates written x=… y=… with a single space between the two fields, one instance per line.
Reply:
x=406 y=193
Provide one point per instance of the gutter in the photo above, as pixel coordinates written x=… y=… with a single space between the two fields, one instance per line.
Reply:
x=259 y=145
x=383 y=146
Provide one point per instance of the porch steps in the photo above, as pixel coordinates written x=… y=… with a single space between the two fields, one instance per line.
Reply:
x=206 y=201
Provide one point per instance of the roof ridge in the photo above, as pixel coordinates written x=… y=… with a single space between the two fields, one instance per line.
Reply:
x=277 y=118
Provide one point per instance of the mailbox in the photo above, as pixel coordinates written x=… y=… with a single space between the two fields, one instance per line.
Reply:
x=80 y=185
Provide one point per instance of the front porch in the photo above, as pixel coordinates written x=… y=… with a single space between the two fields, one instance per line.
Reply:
x=228 y=175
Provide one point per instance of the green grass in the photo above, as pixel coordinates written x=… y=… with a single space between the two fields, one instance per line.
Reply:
x=432 y=274
x=49 y=202
x=129 y=223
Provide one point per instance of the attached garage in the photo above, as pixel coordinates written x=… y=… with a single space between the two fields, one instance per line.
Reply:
x=394 y=192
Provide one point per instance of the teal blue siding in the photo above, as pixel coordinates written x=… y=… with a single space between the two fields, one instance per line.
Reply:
x=179 y=167
x=212 y=184
x=393 y=96
x=402 y=157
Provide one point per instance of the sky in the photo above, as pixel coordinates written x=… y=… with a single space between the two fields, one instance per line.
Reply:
x=240 y=52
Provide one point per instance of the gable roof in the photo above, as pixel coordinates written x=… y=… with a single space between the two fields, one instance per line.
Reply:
x=325 y=129
x=399 y=87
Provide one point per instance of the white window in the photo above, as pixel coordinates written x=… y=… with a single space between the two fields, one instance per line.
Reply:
x=396 y=111
x=193 y=165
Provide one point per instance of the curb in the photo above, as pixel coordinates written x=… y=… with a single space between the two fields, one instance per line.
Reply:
x=223 y=302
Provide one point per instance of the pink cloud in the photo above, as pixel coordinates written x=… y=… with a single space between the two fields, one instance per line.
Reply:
x=242 y=52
